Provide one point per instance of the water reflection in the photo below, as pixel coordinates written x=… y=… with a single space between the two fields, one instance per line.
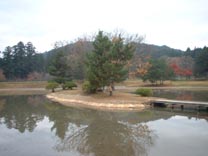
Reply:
x=85 y=131
x=105 y=134
x=20 y=113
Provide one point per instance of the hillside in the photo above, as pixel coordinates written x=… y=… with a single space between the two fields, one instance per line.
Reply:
x=154 y=51
x=76 y=53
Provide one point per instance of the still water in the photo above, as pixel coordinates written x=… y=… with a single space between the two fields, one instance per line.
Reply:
x=34 y=126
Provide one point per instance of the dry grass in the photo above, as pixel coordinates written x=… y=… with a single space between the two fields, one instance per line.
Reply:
x=4 y=92
x=24 y=84
x=131 y=83
x=190 y=83
x=119 y=100
x=23 y=88
x=140 y=83
x=99 y=97
x=37 y=87
x=127 y=83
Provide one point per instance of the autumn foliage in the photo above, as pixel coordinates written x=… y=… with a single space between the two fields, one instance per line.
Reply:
x=143 y=68
x=179 y=71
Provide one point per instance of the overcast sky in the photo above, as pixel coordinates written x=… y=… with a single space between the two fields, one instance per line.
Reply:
x=175 y=23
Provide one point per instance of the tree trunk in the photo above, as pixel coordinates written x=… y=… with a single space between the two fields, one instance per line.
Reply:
x=110 y=90
x=113 y=86
x=111 y=93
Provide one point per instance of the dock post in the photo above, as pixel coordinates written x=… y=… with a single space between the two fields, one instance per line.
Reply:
x=182 y=107
x=152 y=104
x=172 y=106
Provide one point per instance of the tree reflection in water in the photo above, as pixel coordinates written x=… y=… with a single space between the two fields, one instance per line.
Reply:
x=86 y=131
x=105 y=135
x=20 y=113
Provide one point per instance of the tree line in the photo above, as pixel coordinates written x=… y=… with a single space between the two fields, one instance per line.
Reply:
x=20 y=60
x=103 y=60
x=200 y=58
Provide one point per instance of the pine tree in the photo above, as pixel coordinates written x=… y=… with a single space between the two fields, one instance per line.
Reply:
x=97 y=61
x=106 y=63
x=158 y=71
x=30 y=57
x=119 y=55
x=60 y=69
x=20 y=62
x=7 y=63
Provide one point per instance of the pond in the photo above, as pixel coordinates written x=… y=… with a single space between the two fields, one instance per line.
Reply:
x=32 y=125
x=183 y=94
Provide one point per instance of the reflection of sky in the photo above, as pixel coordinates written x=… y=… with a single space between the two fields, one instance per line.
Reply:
x=180 y=136
x=176 y=136
x=45 y=124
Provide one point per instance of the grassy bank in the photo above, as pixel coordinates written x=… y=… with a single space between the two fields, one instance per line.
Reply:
x=188 y=83
x=120 y=101
x=23 y=84
x=127 y=83
x=5 y=92
x=23 y=88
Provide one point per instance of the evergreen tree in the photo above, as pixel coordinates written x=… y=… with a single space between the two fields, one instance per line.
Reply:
x=119 y=55
x=106 y=63
x=201 y=63
x=7 y=63
x=40 y=64
x=97 y=62
x=158 y=71
x=60 y=69
x=30 y=57
x=20 y=61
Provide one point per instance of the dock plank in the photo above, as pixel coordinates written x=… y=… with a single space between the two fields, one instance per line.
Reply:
x=181 y=102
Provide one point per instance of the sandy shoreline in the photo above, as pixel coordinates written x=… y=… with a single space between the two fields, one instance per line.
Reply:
x=119 y=101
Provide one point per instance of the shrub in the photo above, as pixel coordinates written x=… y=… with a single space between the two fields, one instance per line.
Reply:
x=69 y=85
x=52 y=86
x=144 y=91
x=87 y=87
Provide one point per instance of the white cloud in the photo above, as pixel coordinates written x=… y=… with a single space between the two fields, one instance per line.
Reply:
x=176 y=23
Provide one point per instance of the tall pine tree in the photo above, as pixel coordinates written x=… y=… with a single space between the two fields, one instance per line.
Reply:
x=20 y=60
x=60 y=69
x=7 y=63
x=106 y=64
x=97 y=62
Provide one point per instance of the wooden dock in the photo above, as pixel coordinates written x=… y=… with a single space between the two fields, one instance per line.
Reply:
x=180 y=104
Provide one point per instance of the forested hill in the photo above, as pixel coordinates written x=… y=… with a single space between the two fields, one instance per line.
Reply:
x=76 y=52
x=21 y=61
x=154 y=51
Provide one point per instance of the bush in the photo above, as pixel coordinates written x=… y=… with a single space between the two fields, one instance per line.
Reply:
x=69 y=85
x=144 y=91
x=87 y=87
x=52 y=86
